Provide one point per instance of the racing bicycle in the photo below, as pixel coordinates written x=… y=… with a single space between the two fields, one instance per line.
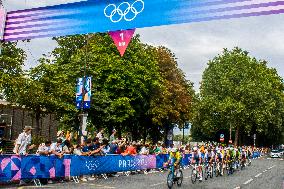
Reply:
x=174 y=176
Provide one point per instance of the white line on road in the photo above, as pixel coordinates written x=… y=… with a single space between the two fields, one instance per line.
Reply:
x=258 y=175
x=156 y=184
x=264 y=171
x=271 y=167
x=238 y=187
x=248 y=181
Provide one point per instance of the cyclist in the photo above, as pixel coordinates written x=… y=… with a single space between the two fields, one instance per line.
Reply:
x=197 y=159
x=243 y=155
x=219 y=156
x=232 y=156
x=175 y=158
x=238 y=156
x=209 y=156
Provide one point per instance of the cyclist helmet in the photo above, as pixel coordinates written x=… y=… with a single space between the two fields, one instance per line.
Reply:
x=174 y=150
x=218 y=151
x=195 y=149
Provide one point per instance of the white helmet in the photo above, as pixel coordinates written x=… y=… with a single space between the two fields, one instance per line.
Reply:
x=174 y=150
x=218 y=151
x=195 y=149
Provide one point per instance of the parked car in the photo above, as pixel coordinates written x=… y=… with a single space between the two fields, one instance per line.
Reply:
x=275 y=154
x=281 y=152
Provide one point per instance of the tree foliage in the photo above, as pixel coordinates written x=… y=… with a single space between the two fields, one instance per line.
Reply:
x=240 y=91
x=134 y=93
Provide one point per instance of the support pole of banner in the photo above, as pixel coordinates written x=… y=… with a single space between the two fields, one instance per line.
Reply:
x=84 y=115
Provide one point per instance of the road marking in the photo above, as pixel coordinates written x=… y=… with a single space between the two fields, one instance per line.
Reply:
x=248 y=181
x=258 y=175
x=157 y=184
x=238 y=187
x=264 y=171
x=101 y=186
x=268 y=158
x=271 y=167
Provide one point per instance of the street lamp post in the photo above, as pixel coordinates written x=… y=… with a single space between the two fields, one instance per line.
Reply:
x=83 y=115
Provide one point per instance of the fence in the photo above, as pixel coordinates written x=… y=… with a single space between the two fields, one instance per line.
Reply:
x=35 y=167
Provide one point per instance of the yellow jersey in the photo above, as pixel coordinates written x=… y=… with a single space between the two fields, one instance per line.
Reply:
x=176 y=156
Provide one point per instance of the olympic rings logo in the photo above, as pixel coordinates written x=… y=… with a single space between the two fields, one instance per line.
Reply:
x=125 y=11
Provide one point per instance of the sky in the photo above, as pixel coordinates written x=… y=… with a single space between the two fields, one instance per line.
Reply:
x=194 y=44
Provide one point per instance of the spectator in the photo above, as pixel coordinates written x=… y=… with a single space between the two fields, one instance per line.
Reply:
x=44 y=149
x=60 y=135
x=56 y=148
x=145 y=150
x=96 y=143
x=67 y=148
x=158 y=149
x=23 y=142
x=130 y=150
x=89 y=147
x=105 y=147
x=113 y=147
x=78 y=150
x=100 y=135
x=112 y=136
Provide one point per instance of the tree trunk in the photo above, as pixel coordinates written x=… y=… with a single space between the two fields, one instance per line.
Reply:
x=183 y=134
x=237 y=135
x=119 y=134
x=144 y=132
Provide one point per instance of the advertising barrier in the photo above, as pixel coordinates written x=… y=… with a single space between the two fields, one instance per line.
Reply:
x=32 y=166
x=35 y=167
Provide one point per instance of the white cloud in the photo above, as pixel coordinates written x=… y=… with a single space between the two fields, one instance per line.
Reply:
x=195 y=43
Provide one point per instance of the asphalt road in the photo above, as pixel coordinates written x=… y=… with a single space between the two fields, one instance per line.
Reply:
x=264 y=173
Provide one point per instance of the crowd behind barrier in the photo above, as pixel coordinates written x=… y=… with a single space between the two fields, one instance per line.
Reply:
x=94 y=156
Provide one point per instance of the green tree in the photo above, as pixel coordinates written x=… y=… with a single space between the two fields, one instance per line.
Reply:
x=242 y=92
x=12 y=59
x=172 y=103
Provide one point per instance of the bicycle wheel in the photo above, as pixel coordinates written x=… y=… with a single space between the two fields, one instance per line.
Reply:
x=223 y=169
x=202 y=174
x=179 y=177
x=193 y=176
x=170 y=180
x=242 y=165
x=217 y=169
x=228 y=168
x=211 y=171
x=249 y=162
x=206 y=173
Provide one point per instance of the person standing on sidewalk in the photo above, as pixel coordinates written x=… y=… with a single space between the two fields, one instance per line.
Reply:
x=23 y=142
x=112 y=136
x=23 y=145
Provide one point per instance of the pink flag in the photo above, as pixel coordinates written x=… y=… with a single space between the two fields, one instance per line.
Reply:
x=122 y=39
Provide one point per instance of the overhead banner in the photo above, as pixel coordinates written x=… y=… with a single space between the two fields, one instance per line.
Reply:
x=2 y=21
x=112 y=15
